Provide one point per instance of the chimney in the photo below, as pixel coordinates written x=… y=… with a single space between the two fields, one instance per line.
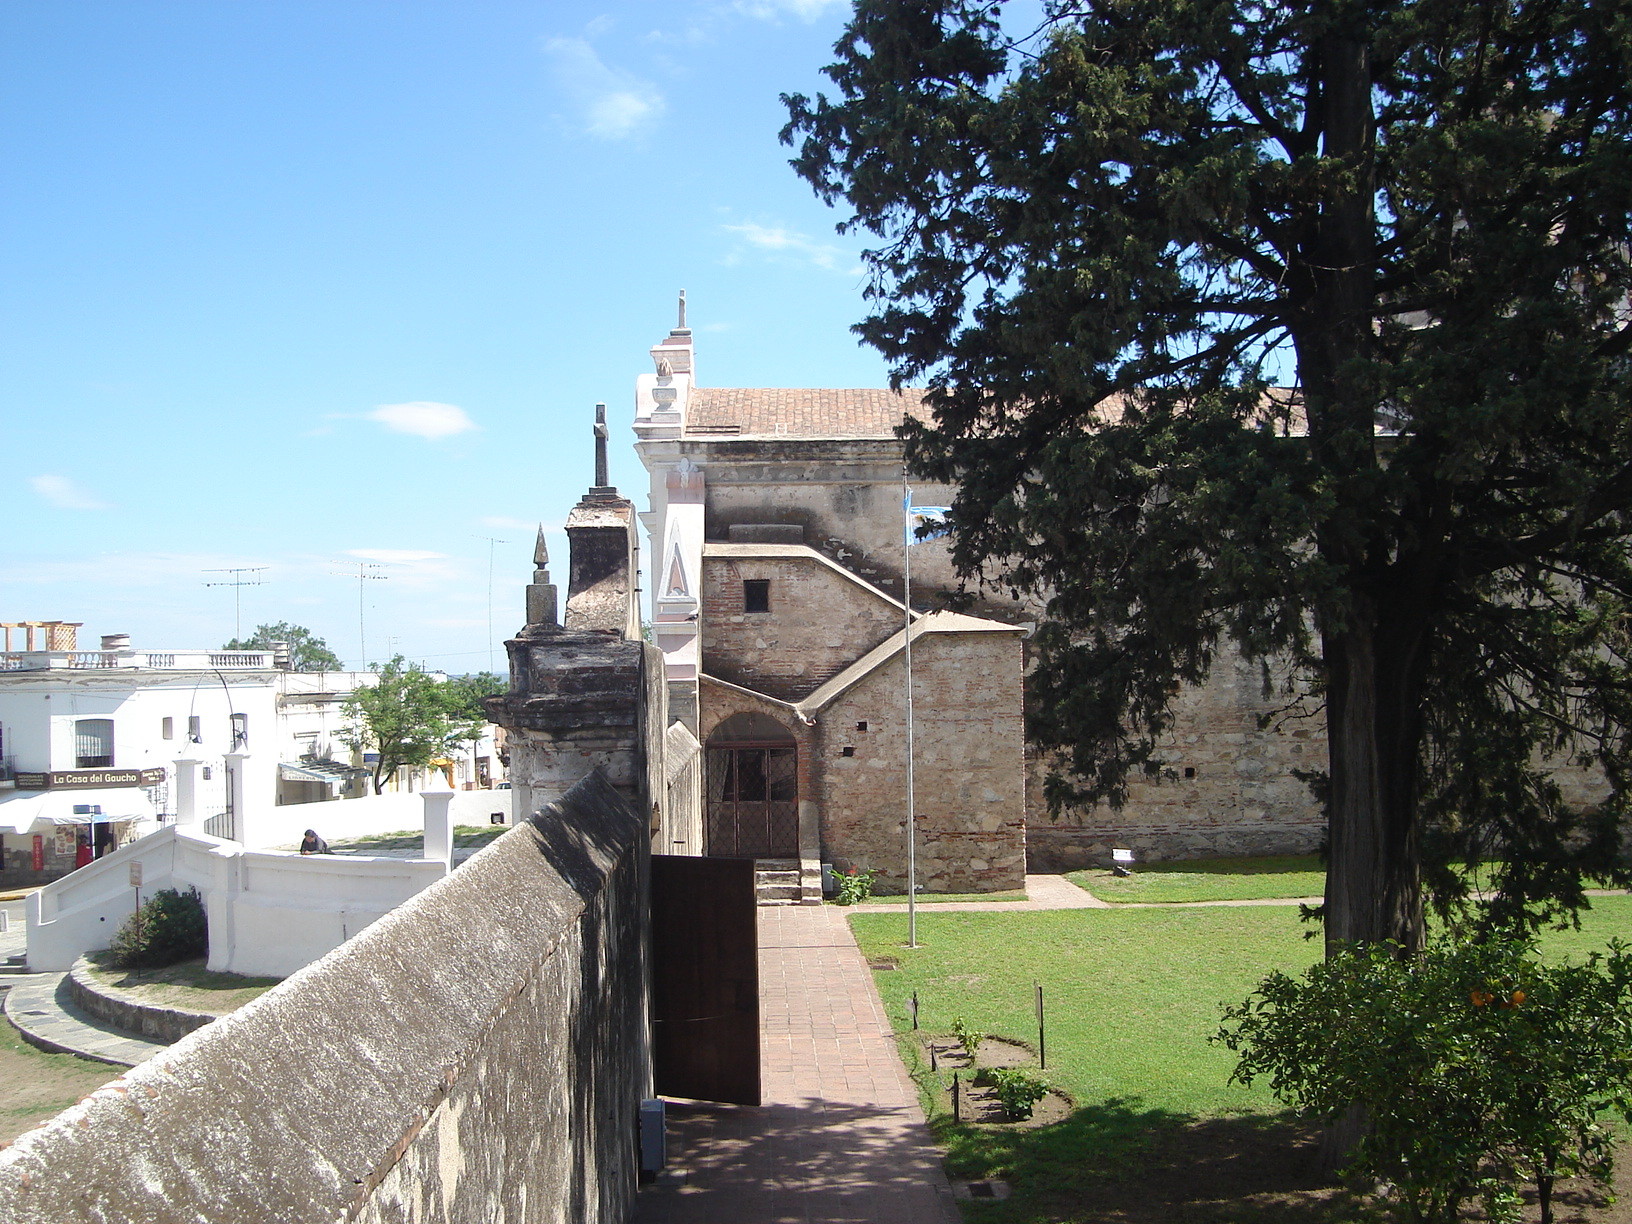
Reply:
x=115 y=642
x=280 y=655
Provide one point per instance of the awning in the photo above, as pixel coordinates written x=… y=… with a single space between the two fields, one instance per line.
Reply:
x=29 y=811
x=318 y=771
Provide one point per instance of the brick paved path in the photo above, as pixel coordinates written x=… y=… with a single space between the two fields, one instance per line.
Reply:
x=840 y=1137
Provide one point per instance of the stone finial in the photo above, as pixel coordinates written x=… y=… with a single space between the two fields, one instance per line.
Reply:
x=541 y=552
x=601 y=479
x=542 y=598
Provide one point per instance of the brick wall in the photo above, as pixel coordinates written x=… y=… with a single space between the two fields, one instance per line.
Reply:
x=819 y=623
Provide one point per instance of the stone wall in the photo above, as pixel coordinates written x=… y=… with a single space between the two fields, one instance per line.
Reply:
x=969 y=778
x=1228 y=787
x=409 y=1074
x=818 y=624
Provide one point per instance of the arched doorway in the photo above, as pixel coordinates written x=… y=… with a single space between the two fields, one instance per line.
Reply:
x=753 y=789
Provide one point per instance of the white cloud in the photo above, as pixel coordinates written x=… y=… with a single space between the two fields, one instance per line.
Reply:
x=771 y=10
x=612 y=104
x=423 y=419
x=64 y=494
x=791 y=245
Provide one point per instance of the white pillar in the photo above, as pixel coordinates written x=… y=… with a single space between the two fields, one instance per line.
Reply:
x=438 y=825
x=236 y=791
x=186 y=792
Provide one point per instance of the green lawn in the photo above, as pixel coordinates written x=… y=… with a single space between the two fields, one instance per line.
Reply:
x=188 y=985
x=1131 y=997
x=1226 y=879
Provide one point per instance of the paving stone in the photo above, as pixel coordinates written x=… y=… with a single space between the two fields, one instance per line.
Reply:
x=840 y=1136
x=42 y=1013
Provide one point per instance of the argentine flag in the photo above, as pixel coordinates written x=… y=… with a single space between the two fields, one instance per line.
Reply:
x=924 y=523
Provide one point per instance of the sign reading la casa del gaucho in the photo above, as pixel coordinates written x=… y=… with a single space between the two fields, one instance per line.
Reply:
x=88 y=779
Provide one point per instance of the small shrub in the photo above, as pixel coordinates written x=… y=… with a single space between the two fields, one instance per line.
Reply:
x=968 y=1038
x=853 y=887
x=169 y=927
x=1017 y=1091
x=1478 y=1067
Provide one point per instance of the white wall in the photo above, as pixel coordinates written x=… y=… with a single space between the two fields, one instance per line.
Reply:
x=271 y=912
x=391 y=812
x=38 y=711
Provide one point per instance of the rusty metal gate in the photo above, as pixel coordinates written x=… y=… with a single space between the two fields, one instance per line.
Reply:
x=753 y=801
x=705 y=979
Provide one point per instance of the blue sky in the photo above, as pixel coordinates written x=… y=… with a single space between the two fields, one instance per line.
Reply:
x=307 y=284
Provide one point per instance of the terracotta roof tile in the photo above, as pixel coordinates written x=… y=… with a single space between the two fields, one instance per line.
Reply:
x=863 y=412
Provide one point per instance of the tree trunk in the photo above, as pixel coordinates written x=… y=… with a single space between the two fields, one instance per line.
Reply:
x=1374 y=731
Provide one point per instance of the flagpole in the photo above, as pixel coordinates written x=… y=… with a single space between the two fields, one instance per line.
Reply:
x=906 y=592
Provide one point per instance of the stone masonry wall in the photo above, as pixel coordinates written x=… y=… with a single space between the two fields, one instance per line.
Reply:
x=1228 y=787
x=970 y=777
x=478 y=1054
x=819 y=623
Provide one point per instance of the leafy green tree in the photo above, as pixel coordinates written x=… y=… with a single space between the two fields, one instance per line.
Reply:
x=404 y=717
x=307 y=651
x=1478 y=1066
x=1105 y=238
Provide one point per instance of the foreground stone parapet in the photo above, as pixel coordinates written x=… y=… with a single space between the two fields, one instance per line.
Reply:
x=478 y=1054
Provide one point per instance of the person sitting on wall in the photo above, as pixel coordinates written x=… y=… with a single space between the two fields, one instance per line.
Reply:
x=313 y=844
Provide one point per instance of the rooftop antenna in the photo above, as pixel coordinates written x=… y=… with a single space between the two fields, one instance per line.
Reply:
x=363 y=577
x=237 y=582
x=491 y=542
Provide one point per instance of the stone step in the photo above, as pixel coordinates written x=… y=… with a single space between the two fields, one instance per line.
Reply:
x=776 y=877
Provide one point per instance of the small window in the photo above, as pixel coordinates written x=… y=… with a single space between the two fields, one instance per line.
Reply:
x=1189 y=771
x=847 y=750
x=93 y=743
x=862 y=725
x=756 y=595
x=167 y=728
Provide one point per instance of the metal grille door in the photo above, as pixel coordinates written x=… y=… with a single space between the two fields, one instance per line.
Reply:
x=753 y=801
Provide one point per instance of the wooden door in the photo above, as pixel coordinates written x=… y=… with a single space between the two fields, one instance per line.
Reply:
x=705 y=979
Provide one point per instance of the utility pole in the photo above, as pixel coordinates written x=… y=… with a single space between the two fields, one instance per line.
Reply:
x=237 y=582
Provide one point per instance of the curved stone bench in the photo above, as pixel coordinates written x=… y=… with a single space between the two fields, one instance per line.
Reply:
x=126 y=1011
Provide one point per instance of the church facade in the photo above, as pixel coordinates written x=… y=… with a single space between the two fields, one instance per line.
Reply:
x=779 y=588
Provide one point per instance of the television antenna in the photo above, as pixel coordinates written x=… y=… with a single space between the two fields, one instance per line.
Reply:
x=491 y=543
x=363 y=579
x=238 y=582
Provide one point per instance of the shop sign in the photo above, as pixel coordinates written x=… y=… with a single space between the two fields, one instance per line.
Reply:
x=88 y=779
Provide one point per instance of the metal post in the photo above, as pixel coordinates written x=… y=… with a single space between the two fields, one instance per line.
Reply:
x=906 y=592
x=1042 y=1038
x=957 y=1115
x=915 y=1011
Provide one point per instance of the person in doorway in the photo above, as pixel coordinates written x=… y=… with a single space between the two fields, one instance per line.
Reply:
x=313 y=844
x=82 y=851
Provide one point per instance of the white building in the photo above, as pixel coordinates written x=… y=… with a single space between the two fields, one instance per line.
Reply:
x=89 y=741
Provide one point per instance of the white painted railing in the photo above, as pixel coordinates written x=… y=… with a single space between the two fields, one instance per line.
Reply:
x=168 y=660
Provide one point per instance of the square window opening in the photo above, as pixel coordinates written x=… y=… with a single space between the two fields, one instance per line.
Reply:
x=756 y=595
x=847 y=751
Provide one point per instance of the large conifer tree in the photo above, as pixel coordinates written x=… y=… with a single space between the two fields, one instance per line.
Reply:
x=1104 y=239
